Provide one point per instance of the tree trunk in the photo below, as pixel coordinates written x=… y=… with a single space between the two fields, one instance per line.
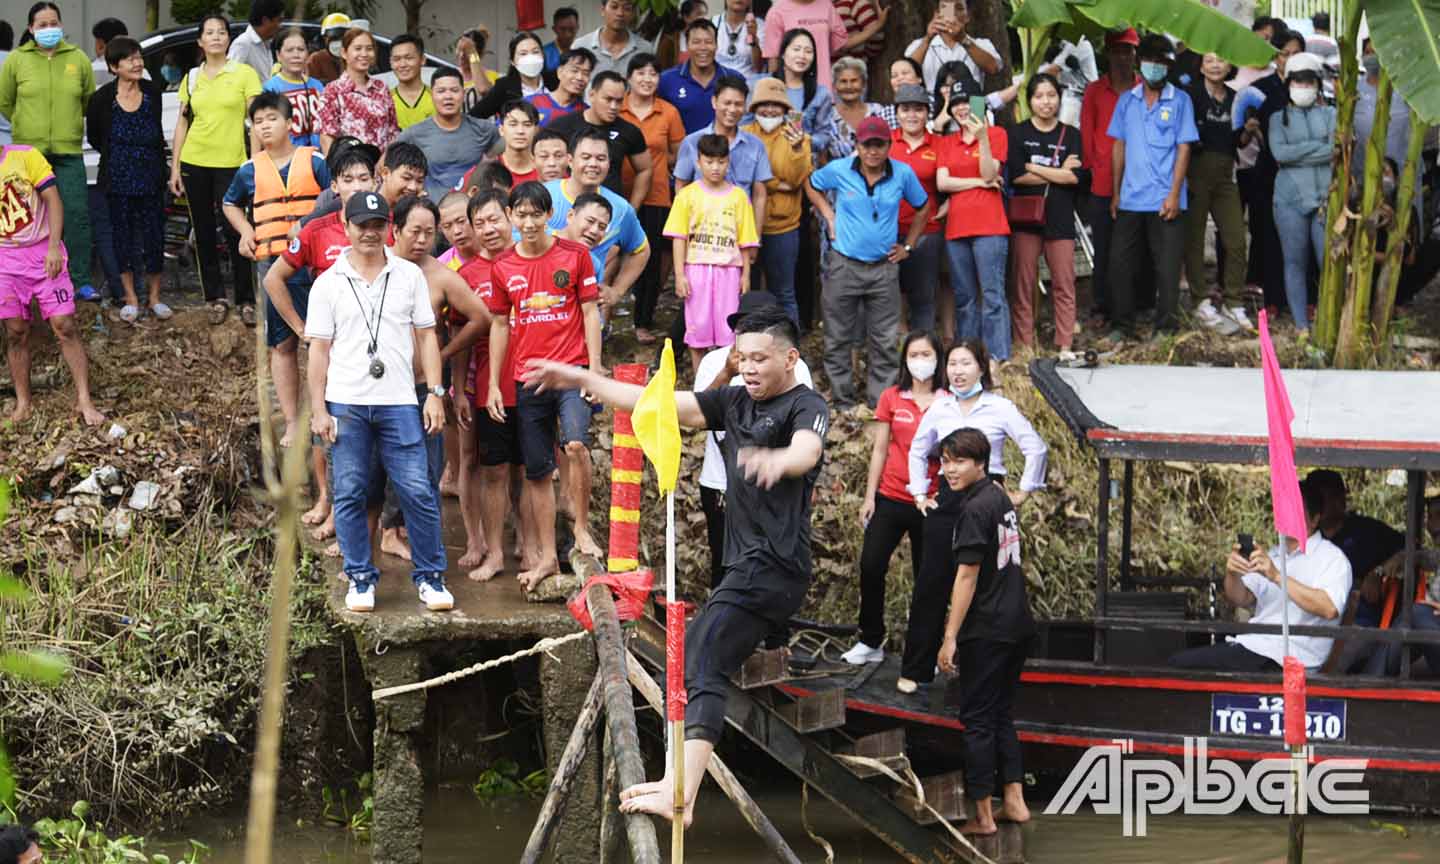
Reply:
x=1332 y=276
x=1353 y=347
x=152 y=15
x=412 y=15
x=1384 y=305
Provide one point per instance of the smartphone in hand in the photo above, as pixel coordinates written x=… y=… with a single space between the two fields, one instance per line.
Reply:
x=1247 y=545
x=977 y=107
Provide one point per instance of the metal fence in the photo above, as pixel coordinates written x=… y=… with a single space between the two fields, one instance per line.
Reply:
x=1306 y=8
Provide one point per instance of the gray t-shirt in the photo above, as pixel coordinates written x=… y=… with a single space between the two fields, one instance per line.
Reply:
x=451 y=152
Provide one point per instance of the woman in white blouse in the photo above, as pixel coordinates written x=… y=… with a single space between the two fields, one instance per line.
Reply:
x=969 y=403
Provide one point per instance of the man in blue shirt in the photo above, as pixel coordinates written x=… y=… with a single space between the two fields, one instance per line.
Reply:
x=691 y=85
x=749 y=160
x=862 y=269
x=1153 y=127
x=589 y=164
x=565 y=24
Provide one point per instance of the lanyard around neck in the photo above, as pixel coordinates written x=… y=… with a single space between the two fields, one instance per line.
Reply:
x=374 y=331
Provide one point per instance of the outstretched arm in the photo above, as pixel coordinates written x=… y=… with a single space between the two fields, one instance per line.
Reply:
x=549 y=375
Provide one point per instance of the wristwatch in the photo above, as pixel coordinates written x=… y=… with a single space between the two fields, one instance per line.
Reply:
x=437 y=391
x=909 y=249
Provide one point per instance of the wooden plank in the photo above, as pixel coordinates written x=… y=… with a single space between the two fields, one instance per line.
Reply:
x=575 y=750
x=763 y=668
x=887 y=748
x=816 y=712
x=944 y=792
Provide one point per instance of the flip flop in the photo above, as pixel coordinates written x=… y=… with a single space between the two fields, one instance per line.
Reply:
x=219 y=310
x=129 y=314
x=247 y=314
x=161 y=311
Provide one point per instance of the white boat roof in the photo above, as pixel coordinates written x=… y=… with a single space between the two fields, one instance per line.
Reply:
x=1367 y=419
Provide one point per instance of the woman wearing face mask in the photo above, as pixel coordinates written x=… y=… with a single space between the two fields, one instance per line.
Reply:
x=888 y=513
x=790 y=163
x=45 y=86
x=526 y=77
x=1302 y=138
x=355 y=103
x=1045 y=161
x=209 y=148
x=969 y=402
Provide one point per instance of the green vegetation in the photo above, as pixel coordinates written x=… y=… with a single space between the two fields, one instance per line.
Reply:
x=355 y=815
x=73 y=840
x=503 y=780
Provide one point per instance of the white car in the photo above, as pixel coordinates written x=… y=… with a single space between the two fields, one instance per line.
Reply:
x=182 y=43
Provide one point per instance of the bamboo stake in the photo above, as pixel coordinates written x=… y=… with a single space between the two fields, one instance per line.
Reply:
x=720 y=772
x=561 y=784
x=677 y=726
x=609 y=808
x=284 y=493
x=620 y=718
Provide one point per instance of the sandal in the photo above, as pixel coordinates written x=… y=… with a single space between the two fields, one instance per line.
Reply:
x=247 y=314
x=161 y=311
x=129 y=313
x=218 y=312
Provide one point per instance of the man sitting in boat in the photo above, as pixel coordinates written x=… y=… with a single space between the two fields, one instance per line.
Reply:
x=1319 y=583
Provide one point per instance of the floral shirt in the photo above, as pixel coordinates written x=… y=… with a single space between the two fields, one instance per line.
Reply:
x=366 y=112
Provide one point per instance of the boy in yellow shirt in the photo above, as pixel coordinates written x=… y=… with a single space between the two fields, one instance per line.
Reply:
x=713 y=227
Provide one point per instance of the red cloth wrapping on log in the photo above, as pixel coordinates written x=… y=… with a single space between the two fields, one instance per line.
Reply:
x=1294 y=702
x=630 y=589
x=675 y=696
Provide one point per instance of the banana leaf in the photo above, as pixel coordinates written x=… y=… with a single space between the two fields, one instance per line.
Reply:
x=1201 y=28
x=1406 y=35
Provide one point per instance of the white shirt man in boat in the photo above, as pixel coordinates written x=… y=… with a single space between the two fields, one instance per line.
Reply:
x=1319 y=583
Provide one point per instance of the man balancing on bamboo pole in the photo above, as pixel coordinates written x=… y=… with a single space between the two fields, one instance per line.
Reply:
x=774 y=440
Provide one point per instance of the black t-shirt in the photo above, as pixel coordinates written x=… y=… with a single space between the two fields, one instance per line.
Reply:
x=1212 y=119
x=1050 y=149
x=767 y=531
x=1367 y=543
x=988 y=534
x=625 y=141
x=1277 y=96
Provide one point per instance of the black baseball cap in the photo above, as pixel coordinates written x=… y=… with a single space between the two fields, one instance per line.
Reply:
x=367 y=207
x=751 y=301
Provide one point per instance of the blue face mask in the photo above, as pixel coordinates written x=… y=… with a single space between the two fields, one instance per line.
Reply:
x=48 y=37
x=1153 y=73
x=171 y=74
x=966 y=394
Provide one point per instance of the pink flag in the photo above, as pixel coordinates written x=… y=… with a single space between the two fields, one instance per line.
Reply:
x=1284 y=486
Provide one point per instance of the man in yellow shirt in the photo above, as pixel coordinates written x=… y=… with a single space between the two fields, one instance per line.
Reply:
x=413 y=102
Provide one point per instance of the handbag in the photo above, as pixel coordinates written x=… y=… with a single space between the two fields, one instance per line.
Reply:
x=1028 y=211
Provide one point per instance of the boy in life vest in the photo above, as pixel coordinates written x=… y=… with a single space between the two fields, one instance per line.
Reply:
x=280 y=185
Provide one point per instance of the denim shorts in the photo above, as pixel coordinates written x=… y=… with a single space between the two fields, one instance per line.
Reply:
x=539 y=413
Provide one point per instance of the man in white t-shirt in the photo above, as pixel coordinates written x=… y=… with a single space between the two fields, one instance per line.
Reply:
x=945 y=40
x=1319 y=581
x=720 y=368
x=369 y=317
x=740 y=39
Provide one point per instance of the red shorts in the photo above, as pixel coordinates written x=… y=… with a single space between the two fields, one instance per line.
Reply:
x=22 y=279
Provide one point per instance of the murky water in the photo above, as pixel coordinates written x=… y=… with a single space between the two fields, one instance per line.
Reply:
x=461 y=829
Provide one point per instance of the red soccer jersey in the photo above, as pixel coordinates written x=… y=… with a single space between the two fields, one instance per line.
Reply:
x=318 y=244
x=545 y=294
x=476 y=274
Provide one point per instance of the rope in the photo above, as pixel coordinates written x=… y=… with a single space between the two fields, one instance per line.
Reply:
x=912 y=782
x=544 y=646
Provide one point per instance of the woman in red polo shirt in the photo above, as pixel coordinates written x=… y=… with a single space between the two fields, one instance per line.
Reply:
x=977 y=234
x=916 y=147
x=889 y=512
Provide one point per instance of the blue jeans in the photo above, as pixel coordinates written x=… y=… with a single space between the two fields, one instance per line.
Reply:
x=1302 y=238
x=977 y=264
x=396 y=432
x=779 y=253
x=919 y=274
x=391 y=516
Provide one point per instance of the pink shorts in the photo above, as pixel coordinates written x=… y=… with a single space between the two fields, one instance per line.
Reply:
x=714 y=296
x=22 y=279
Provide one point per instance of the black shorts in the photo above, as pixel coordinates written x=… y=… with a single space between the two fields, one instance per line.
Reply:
x=498 y=443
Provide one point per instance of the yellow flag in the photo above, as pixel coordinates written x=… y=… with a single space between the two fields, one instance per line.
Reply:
x=657 y=424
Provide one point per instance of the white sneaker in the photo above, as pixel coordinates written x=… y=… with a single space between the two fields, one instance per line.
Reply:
x=1209 y=316
x=434 y=595
x=360 y=599
x=1239 y=316
x=862 y=654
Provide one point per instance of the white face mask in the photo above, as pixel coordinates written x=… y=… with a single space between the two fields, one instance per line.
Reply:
x=921 y=368
x=530 y=65
x=335 y=46
x=770 y=124
x=1303 y=97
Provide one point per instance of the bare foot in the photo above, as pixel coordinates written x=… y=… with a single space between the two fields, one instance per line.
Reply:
x=639 y=789
x=975 y=827
x=91 y=415
x=333 y=551
x=487 y=569
x=1013 y=810
x=472 y=557
x=289 y=436
x=585 y=544
x=326 y=529
x=21 y=413
x=392 y=544
x=530 y=578
x=317 y=514
x=659 y=802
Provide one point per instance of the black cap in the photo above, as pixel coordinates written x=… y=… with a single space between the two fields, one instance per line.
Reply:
x=366 y=207
x=751 y=301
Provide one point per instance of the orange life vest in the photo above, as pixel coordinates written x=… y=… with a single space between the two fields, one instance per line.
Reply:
x=278 y=205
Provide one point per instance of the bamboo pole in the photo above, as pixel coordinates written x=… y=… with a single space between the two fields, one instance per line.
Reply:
x=574 y=754
x=284 y=494
x=620 y=717
x=1335 y=266
x=720 y=772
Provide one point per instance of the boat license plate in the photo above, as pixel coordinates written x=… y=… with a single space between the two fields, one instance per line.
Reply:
x=1264 y=717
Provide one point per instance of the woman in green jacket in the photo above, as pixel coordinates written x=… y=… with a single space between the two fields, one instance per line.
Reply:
x=45 y=87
